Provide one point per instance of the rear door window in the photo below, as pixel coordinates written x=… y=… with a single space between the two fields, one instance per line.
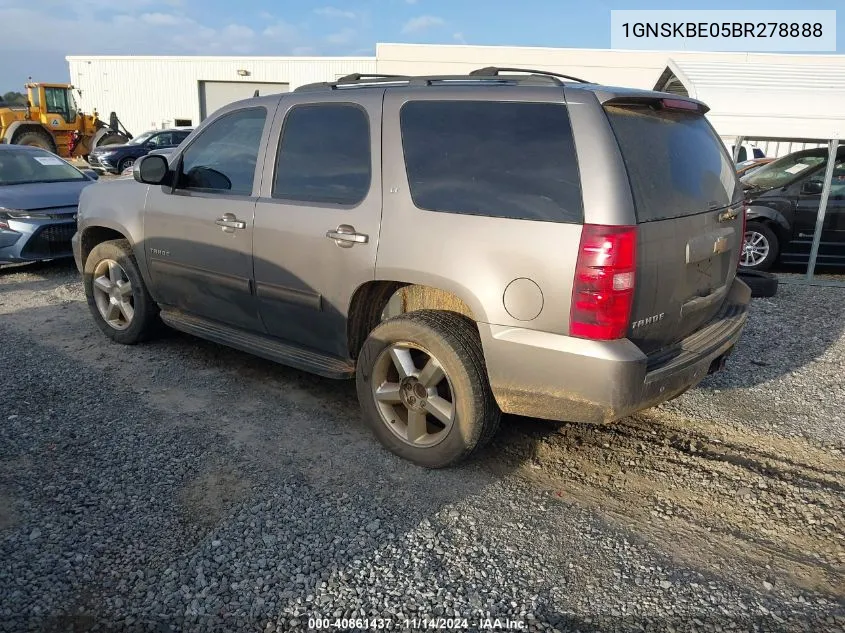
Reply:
x=676 y=163
x=492 y=158
x=324 y=155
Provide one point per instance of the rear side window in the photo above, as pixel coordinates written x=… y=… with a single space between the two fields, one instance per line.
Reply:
x=676 y=164
x=499 y=159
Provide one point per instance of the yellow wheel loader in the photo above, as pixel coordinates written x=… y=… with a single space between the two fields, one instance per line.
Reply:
x=50 y=119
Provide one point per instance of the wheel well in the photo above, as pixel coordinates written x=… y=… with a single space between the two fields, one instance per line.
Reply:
x=372 y=299
x=773 y=225
x=95 y=235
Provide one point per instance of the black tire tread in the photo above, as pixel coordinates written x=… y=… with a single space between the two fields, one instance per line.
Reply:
x=762 y=284
x=464 y=334
x=35 y=131
x=148 y=310
x=461 y=334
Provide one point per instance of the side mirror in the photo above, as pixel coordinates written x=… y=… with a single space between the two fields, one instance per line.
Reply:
x=812 y=187
x=91 y=174
x=151 y=169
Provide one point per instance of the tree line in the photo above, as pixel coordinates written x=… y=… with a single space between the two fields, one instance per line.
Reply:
x=14 y=98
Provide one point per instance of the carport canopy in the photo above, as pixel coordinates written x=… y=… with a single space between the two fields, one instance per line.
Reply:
x=801 y=101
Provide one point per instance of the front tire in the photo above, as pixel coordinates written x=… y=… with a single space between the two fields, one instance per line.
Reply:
x=124 y=164
x=760 y=247
x=35 y=137
x=423 y=387
x=117 y=295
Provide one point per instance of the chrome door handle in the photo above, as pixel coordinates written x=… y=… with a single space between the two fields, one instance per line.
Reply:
x=345 y=236
x=229 y=223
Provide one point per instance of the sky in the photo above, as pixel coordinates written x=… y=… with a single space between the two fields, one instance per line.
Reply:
x=38 y=35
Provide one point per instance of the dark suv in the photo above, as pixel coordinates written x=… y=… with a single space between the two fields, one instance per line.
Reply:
x=462 y=246
x=114 y=159
x=784 y=202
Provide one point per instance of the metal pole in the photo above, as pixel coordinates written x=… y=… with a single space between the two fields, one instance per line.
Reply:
x=737 y=144
x=832 y=149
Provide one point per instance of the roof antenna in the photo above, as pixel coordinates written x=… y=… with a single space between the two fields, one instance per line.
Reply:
x=256 y=94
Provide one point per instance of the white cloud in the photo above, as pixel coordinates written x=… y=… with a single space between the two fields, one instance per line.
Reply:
x=281 y=30
x=459 y=37
x=422 y=23
x=341 y=37
x=333 y=12
x=164 y=19
x=156 y=27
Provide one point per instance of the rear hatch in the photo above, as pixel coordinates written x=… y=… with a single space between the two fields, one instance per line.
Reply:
x=689 y=217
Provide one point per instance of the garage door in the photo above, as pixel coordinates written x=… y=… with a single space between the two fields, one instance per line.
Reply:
x=216 y=94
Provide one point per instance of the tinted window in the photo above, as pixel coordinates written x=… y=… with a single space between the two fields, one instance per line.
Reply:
x=837 y=185
x=676 y=164
x=324 y=155
x=502 y=159
x=223 y=157
x=162 y=140
x=758 y=153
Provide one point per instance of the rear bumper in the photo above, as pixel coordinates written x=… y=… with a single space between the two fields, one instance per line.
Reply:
x=556 y=377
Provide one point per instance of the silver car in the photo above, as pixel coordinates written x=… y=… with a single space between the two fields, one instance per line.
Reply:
x=462 y=246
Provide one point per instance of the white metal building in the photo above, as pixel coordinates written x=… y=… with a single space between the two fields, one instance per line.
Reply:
x=153 y=92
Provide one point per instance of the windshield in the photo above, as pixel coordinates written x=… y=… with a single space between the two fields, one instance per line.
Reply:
x=143 y=138
x=783 y=170
x=23 y=166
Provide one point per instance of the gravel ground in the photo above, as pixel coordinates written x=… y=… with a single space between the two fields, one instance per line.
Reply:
x=182 y=486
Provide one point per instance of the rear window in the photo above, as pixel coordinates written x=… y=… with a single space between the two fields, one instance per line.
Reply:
x=499 y=159
x=676 y=164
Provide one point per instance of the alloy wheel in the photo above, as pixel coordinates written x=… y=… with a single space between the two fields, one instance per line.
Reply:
x=413 y=395
x=113 y=294
x=755 y=249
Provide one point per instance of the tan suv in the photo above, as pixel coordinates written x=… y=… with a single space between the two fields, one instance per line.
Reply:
x=504 y=241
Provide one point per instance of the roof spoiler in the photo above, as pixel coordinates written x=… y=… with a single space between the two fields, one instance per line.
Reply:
x=660 y=101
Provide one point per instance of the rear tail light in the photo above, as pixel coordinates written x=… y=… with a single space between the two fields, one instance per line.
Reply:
x=604 y=282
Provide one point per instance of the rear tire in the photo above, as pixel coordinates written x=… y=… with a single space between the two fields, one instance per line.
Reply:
x=117 y=295
x=35 y=137
x=760 y=247
x=762 y=284
x=442 y=409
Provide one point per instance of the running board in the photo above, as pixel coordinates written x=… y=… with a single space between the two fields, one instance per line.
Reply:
x=260 y=345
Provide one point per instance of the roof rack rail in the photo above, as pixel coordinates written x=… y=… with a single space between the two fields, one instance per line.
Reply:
x=482 y=76
x=354 y=77
x=494 y=71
